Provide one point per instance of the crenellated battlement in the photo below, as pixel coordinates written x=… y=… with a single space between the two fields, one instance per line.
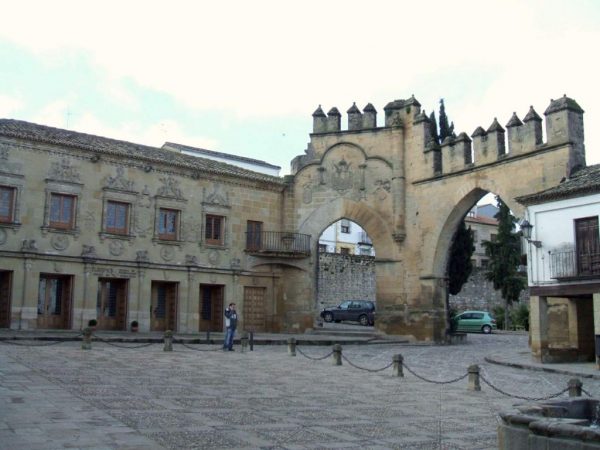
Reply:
x=563 y=125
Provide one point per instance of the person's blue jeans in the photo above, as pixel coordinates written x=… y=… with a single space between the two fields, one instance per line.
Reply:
x=228 y=344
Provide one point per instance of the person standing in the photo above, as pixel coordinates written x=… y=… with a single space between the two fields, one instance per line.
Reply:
x=230 y=325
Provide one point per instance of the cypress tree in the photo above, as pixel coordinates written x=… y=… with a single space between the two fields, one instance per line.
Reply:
x=433 y=128
x=460 y=264
x=505 y=256
x=445 y=130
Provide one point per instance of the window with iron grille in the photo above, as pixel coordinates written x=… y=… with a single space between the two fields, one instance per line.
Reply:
x=117 y=218
x=214 y=233
x=7 y=204
x=168 y=224
x=62 y=211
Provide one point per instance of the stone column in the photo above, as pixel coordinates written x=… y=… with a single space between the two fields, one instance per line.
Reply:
x=337 y=355
x=597 y=326
x=575 y=387
x=474 y=378
x=292 y=347
x=86 y=342
x=538 y=326
x=168 y=338
x=397 y=368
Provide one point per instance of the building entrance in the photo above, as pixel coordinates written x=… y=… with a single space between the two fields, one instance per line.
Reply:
x=54 y=301
x=163 y=310
x=5 y=295
x=111 y=306
x=254 y=308
x=211 y=307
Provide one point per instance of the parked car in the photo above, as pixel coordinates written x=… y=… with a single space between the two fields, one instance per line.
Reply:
x=474 y=321
x=362 y=311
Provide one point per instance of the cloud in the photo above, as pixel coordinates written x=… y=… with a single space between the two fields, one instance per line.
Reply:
x=10 y=105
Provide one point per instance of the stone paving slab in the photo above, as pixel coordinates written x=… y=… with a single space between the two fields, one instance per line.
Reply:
x=63 y=397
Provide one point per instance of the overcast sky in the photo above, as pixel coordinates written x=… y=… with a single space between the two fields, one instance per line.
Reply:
x=244 y=77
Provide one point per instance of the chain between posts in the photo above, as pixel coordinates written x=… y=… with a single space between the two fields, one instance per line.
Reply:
x=533 y=399
x=106 y=341
x=462 y=377
x=45 y=344
x=366 y=368
x=198 y=349
x=313 y=358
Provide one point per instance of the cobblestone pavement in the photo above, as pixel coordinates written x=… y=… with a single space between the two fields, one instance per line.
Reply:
x=58 y=396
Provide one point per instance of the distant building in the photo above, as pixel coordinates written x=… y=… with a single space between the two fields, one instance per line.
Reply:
x=239 y=161
x=484 y=229
x=347 y=238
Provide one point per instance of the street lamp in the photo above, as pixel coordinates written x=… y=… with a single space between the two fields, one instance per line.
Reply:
x=526 y=228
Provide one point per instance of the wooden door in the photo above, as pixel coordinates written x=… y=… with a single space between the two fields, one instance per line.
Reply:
x=163 y=309
x=254 y=235
x=5 y=296
x=254 y=308
x=54 y=301
x=587 y=243
x=211 y=307
x=111 y=305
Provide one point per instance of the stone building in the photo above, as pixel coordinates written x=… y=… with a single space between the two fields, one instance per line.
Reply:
x=97 y=228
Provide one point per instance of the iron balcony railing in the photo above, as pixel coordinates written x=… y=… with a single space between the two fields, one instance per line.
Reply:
x=570 y=264
x=278 y=243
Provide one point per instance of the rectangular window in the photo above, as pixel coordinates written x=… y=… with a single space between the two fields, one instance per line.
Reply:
x=62 y=211
x=587 y=244
x=345 y=225
x=117 y=218
x=214 y=230
x=7 y=204
x=322 y=248
x=493 y=237
x=168 y=224
x=344 y=250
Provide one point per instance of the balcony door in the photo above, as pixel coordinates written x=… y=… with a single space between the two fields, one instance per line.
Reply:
x=254 y=235
x=587 y=243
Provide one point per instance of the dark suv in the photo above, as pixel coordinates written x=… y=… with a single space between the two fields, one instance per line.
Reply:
x=361 y=311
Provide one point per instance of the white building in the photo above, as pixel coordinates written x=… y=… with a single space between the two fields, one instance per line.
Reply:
x=346 y=237
x=563 y=250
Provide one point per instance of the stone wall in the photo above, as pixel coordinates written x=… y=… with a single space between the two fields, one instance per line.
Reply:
x=345 y=277
x=479 y=294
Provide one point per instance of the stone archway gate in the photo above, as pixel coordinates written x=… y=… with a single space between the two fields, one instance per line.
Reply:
x=409 y=194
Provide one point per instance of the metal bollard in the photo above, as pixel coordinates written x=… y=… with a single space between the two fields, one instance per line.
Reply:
x=207 y=337
x=474 y=378
x=397 y=369
x=86 y=342
x=244 y=342
x=292 y=347
x=337 y=355
x=575 y=387
x=168 y=341
x=252 y=341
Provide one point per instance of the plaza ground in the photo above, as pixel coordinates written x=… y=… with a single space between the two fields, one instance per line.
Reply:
x=59 y=396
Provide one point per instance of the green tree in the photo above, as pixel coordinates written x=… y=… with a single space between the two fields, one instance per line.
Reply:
x=433 y=129
x=504 y=258
x=460 y=265
x=445 y=129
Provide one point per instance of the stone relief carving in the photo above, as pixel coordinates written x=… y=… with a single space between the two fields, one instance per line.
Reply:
x=59 y=242
x=116 y=248
x=143 y=219
x=235 y=263
x=142 y=256
x=119 y=181
x=167 y=253
x=89 y=220
x=191 y=260
x=3 y=236
x=7 y=166
x=307 y=191
x=214 y=257
x=382 y=188
x=88 y=251
x=342 y=179
x=29 y=245
x=170 y=188
x=217 y=197
x=64 y=171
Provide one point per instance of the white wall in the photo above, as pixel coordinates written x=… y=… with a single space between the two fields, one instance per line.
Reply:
x=553 y=226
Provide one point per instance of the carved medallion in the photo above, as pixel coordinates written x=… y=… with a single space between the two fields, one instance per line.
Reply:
x=116 y=248
x=167 y=253
x=341 y=177
x=382 y=189
x=2 y=236
x=59 y=242
x=217 y=197
x=142 y=256
x=214 y=257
